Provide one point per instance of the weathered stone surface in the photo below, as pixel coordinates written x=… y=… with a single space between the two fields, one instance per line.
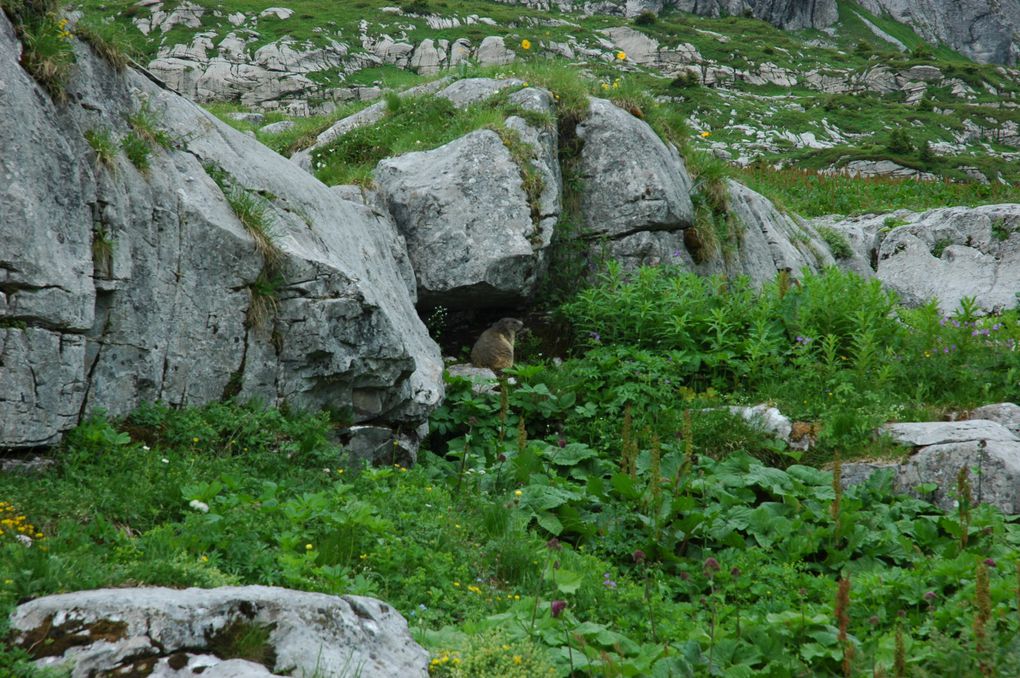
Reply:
x=483 y=380
x=277 y=127
x=465 y=216
x=921 y=434
x=375 y=445
x=988 y=450
x=983 y=30
x=494 y=52
x=1007 y=414
x=163 y=312
x=117 y=630
x=994 y=472
x=633 y=181
x=463 y=93
x=770 y=240
x=766 y=242
x=946 y=254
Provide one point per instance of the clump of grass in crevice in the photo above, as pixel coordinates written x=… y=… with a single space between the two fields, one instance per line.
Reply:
x=47 y=53
x=137 y=151
x=252 y=210
x=146 y=125
x=716 y=231
x=103 y=145
x=264 y=298
x=102 y=253
x=837 y=242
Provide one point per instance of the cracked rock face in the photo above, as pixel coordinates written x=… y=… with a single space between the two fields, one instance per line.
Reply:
x=633 y=181
x=464 y=213
x=192 y=632
x=119 y=286
x=943 y=254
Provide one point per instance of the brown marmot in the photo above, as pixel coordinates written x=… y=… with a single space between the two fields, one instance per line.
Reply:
x=495 y=348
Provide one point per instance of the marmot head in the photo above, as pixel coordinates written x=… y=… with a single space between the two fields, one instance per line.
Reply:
x=510 y=326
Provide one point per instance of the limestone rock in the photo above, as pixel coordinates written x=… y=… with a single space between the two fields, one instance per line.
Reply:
x=1006 y=414
x=161 y=312
x=922 y=434
x=994 y=472
x=983 y=30
x=169 y=632
x=633 y=181
x=483 y=380
x=988 y=450
x=955 y=252
x=494 y=52
x=378 y=445
x=465 y=216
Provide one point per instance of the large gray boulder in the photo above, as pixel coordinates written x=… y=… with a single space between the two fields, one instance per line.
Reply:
x=191 y=632
x=763 y=242
x=946 y=254
x=925 y=433
x=119 y=286
x=633 y=181
x=988 y=450
x=465 y=215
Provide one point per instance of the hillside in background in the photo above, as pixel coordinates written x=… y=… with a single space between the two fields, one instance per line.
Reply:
x=865 y=95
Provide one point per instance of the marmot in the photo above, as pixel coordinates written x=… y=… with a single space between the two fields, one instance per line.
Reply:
x=495 y=348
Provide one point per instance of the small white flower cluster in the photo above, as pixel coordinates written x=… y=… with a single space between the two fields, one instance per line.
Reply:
x=25 y=540
x=199 y=505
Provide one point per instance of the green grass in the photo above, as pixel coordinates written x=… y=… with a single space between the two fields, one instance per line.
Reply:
x=811 y=194
x=137 y=151
x=597 y=520
x=103 y=145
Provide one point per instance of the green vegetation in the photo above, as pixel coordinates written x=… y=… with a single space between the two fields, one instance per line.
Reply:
x=47 y=52
x=604 y=516
x=836 y=241
x=811 y=194
x=256 y=216
x=103 y=145
x=137 y=150
x=146 y=124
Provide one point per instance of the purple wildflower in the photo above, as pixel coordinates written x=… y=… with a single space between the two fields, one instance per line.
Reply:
x=557 y=607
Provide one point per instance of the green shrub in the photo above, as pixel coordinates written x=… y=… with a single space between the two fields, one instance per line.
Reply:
x=646 y=18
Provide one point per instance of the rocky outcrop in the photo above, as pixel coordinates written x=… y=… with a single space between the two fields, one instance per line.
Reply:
x=983 y=30
x=987 y=450
x=946 y=254
x=761 y=241
x=120 y=285
x=191 y=632
x=633 y=181
x=465 y=215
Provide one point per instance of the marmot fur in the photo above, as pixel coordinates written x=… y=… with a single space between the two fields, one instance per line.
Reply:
x=495 y=348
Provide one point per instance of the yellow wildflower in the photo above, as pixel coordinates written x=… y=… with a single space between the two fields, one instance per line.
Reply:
x=621 y=55
x=308 y=547
x=517 y=493
x=525 y=44
x=706 y=134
